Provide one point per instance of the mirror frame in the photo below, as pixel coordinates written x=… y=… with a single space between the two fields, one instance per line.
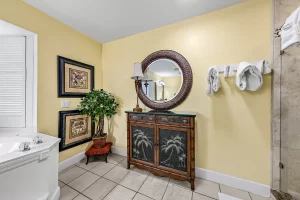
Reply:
x=187 y=82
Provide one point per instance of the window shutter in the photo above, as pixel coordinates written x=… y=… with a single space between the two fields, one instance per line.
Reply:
x=12 y=82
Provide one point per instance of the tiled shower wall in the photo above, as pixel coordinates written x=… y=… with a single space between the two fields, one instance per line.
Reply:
x=286 y=108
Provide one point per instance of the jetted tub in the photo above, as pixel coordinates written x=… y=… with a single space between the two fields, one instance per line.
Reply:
x=32 y=174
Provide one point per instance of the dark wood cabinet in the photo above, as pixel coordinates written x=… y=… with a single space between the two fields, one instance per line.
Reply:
x=162 y=143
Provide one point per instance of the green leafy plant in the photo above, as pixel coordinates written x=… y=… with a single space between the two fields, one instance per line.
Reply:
x=98 y=104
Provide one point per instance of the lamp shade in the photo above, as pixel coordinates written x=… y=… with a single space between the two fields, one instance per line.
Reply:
x=148 y=77
x=137 y=71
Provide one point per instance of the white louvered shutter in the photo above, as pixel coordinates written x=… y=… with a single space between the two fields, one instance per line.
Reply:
x=12 y=82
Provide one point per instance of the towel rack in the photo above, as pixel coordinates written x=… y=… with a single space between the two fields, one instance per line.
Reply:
x=233 y=67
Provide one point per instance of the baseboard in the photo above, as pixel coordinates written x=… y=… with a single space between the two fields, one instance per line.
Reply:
x=232 y=181
x=242 y=184
x=71 y=161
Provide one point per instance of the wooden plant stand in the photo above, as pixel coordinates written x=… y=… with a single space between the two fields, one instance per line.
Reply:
x=102 y=151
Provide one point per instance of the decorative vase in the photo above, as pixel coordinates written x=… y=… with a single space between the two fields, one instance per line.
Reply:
x=99 y=142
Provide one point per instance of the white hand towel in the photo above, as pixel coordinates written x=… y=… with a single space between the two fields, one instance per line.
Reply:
x=248 y=77
x=263 y=67
x=213 y=81
x=290 y=31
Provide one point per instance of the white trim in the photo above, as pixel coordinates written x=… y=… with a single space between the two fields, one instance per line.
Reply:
x=71 y=161
x=235 y=182
x=7 y=29
x=242 y=184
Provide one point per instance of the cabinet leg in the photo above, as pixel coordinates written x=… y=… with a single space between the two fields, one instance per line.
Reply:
x=193 y=184
x=128 y=165
x=87 y=159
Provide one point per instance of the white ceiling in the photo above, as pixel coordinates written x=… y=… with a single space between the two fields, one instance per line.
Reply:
x=165 y=68
x=107 y=20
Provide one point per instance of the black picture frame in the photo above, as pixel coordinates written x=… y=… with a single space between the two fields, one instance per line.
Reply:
x=62 y=130
x=61 y=77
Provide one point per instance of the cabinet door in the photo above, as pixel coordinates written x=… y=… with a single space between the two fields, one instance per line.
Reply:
x=173 y=149
x=142 y=143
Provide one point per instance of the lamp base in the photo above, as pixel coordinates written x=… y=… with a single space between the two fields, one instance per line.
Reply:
x=137 y=109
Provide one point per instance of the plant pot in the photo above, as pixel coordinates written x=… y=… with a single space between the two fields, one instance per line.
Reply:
x=99 y=142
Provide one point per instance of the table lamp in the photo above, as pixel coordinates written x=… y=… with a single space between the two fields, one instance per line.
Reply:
x=137 y=76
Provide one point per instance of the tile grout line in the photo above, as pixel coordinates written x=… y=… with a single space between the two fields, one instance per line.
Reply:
x=76 y=196
x=93 y=182
x=187 y=188
x=145 y=195
x=128 y=171
x=110 y=190
x=250 y=195
x=105 y=179
x=88 y=186
x=141 y=184
x=84 y=189
x=74 y=178
x=166 y=189
x=205 y=195
x=119 y=164
x=99 y=177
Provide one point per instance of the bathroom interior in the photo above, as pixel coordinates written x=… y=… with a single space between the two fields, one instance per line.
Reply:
x=149 y=100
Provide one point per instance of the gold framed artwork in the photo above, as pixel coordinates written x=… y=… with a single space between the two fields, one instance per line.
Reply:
x=74 y=129
x=75 y=79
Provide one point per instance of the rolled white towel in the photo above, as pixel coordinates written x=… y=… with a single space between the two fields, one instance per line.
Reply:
x=263 y=67
x=290 y=31
x=213 y=81
x=248 y=77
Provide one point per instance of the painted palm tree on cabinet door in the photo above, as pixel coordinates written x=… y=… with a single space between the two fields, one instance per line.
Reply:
x=174 y=146
x=141 y=141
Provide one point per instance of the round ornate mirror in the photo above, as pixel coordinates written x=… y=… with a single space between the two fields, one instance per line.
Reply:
x=167 y=80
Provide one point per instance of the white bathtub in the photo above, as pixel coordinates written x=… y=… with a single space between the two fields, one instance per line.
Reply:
x=29 y=175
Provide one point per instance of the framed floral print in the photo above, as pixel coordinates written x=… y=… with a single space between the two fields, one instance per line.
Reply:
x=74 y=129
x=75 y=79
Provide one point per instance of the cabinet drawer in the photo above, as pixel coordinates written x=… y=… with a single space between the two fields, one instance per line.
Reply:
x=145 y=118
x=173 y=120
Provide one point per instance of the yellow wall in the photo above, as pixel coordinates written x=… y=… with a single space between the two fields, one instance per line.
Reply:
x=233 y=126
x=173 y=85
x=54 y=38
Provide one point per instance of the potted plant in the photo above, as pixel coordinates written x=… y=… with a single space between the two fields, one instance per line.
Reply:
x=98 y=104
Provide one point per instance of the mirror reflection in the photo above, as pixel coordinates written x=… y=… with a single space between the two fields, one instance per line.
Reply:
x=162 y=80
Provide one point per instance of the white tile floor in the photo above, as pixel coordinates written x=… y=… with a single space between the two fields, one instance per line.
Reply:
x=112 y=181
